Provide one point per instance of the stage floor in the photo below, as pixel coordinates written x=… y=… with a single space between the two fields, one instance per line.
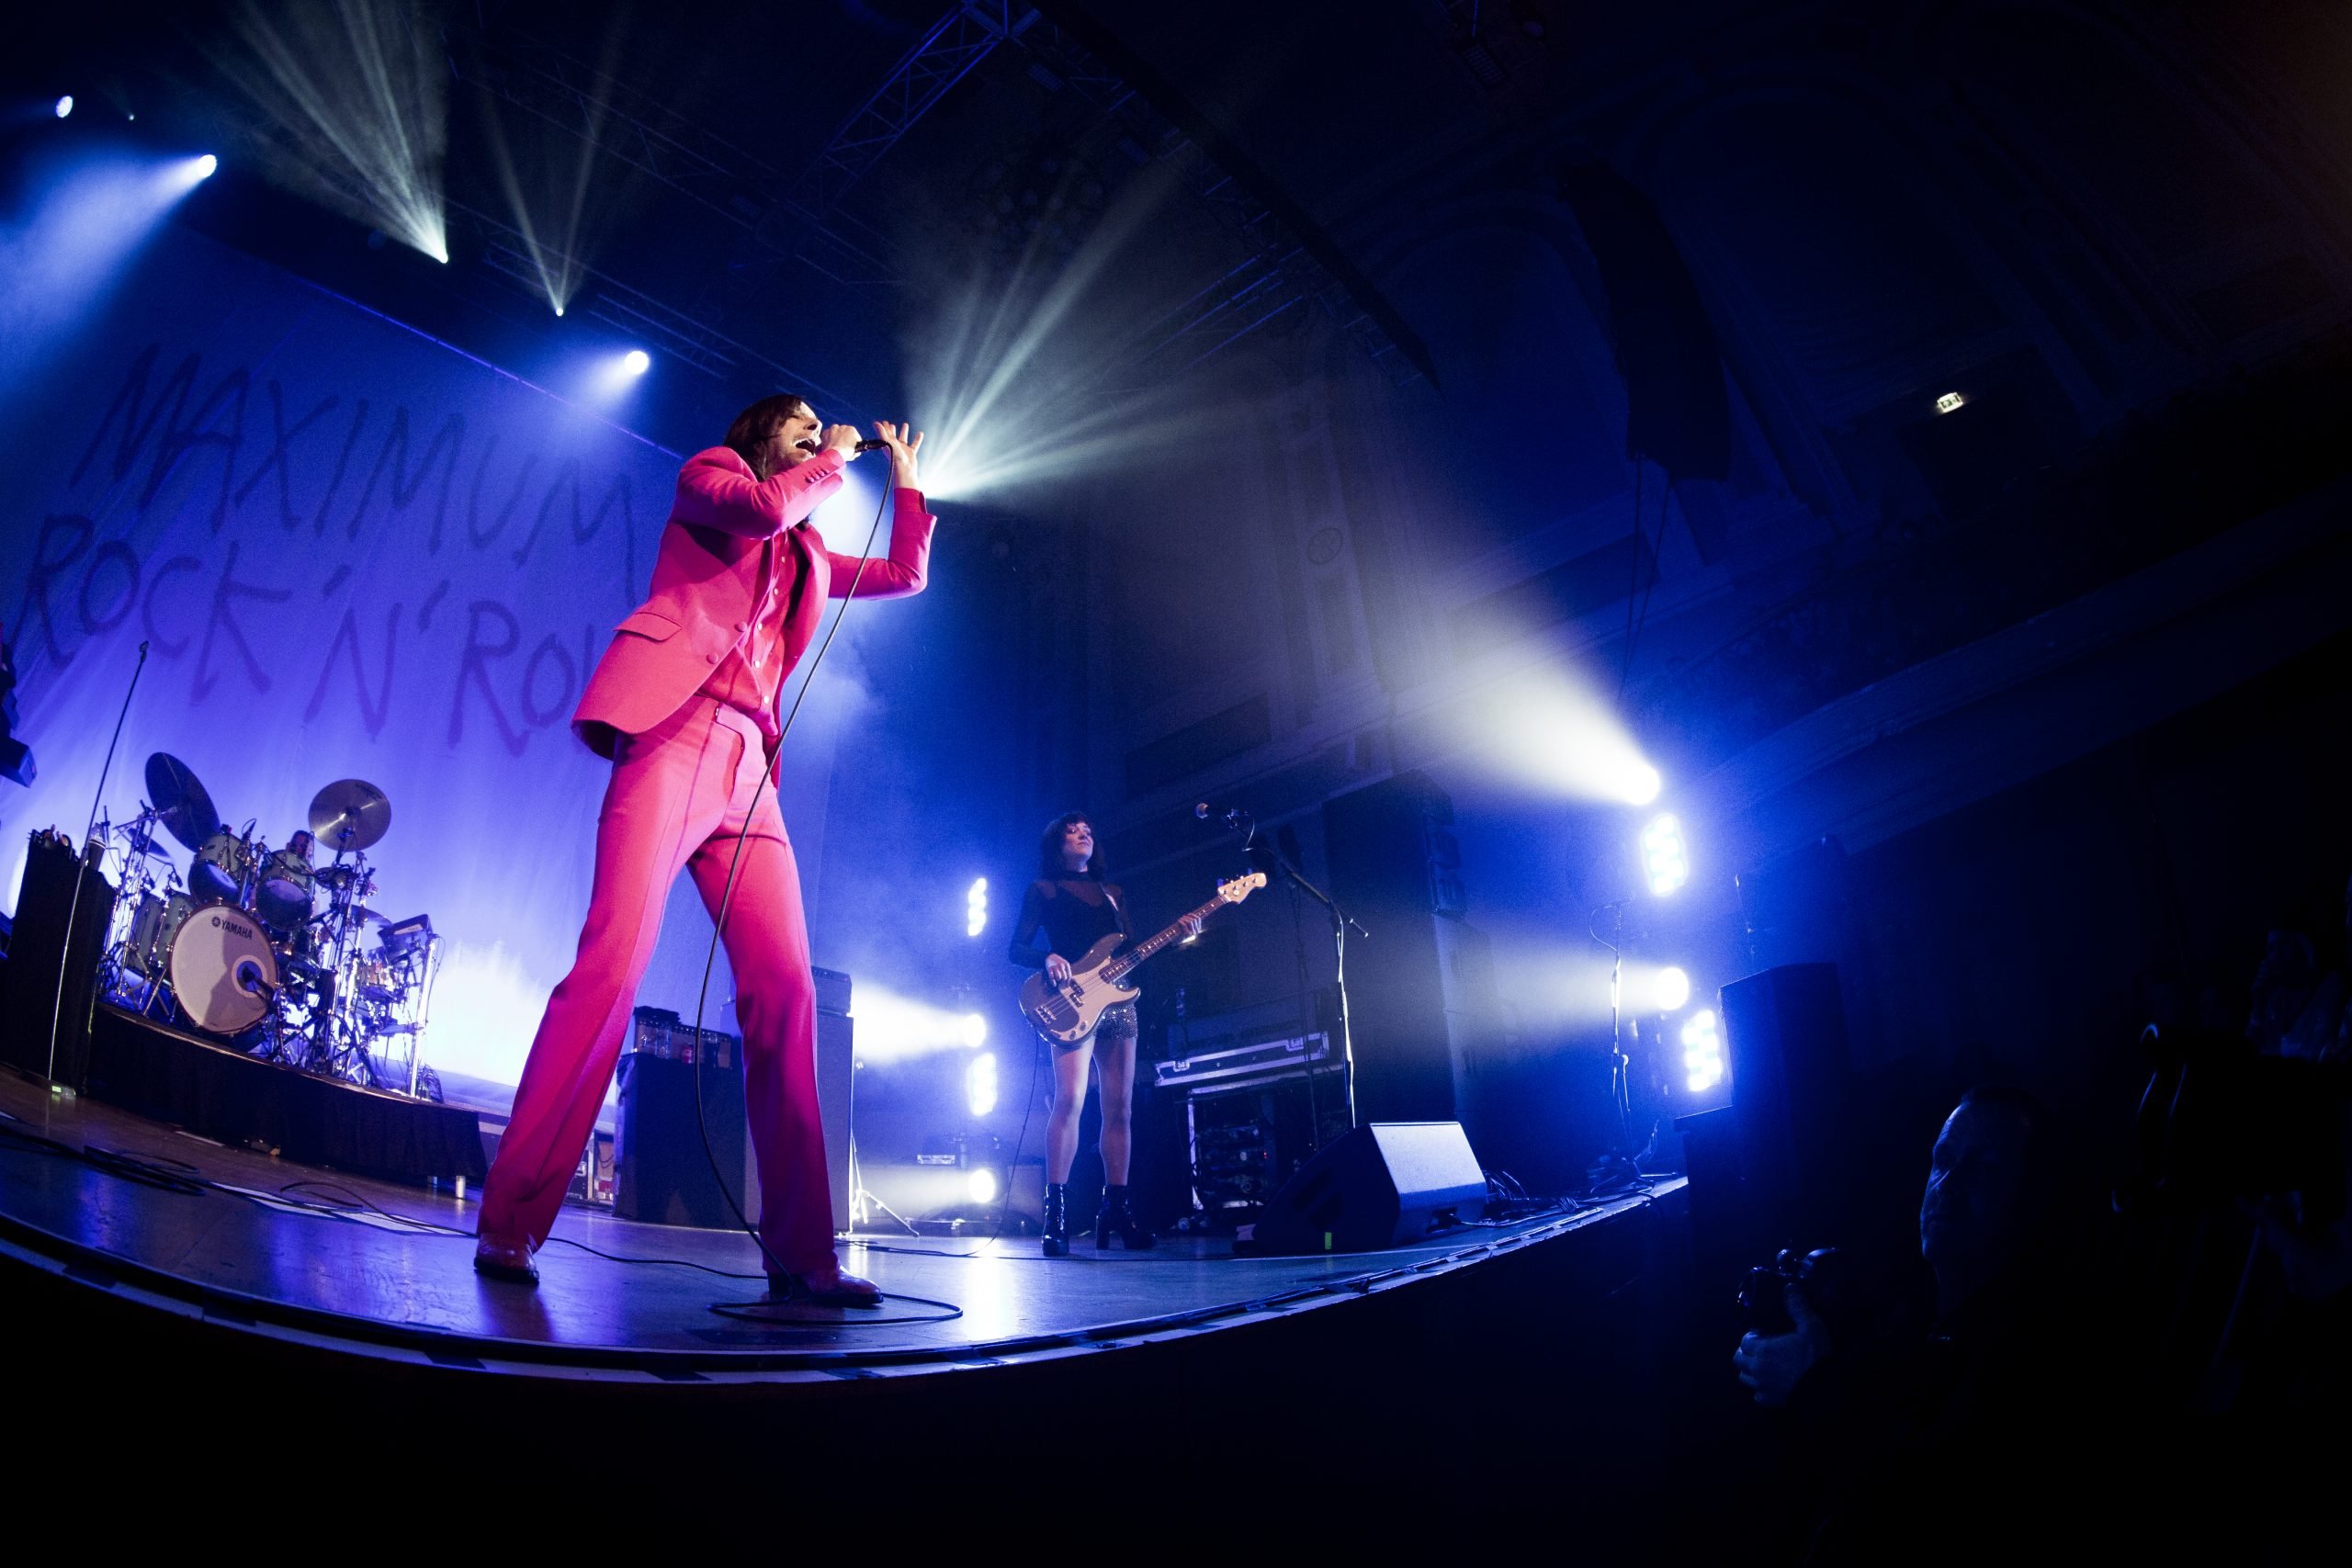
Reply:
x=246 y=1240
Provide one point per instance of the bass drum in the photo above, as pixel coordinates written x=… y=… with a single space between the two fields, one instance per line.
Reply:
x=222 y=970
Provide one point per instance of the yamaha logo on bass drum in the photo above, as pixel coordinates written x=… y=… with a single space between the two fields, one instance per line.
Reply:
x=233 y=926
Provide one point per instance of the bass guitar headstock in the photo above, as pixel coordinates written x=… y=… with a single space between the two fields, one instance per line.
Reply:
x=1240 y=887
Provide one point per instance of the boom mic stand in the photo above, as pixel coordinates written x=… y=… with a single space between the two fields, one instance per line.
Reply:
x=81 y=869
x=1342 y=923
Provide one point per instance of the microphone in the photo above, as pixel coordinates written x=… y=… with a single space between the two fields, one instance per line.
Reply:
x=249 y=978
x=872 y=443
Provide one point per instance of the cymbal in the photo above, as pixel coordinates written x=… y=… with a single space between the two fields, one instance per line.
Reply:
x=180 y=803
x=350 y=814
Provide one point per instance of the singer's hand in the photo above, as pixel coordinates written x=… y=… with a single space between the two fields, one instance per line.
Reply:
x=904 y=441
x=1058 y=969
x=842 y=438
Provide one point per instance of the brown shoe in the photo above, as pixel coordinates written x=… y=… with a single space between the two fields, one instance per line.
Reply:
x=834 y=1287
x=504 y=1258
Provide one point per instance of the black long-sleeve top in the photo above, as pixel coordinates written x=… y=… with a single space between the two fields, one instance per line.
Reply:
x=1075 y=912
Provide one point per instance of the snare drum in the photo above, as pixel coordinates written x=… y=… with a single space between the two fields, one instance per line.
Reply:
x=222 y=970
x=288 y=891
x=222 y=869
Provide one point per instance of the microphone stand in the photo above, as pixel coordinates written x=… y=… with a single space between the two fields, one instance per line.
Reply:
x=1341 y=923
x=73 y=905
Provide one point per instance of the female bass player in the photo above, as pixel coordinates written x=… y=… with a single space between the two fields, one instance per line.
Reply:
x=1075 y=908
x=684 y=704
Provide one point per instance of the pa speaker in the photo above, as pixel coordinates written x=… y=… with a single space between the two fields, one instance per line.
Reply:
x=1385 y=1184
x=1790 y=1079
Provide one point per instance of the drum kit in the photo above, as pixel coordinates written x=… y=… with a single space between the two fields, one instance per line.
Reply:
x=267 y=948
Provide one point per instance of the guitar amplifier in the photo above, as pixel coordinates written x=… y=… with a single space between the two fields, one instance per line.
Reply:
x=662 y=1034
x=660 y=1172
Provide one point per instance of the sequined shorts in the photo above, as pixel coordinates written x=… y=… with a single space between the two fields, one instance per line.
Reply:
x=1116 y=1026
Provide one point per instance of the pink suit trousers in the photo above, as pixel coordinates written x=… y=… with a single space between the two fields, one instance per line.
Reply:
x=679 y=796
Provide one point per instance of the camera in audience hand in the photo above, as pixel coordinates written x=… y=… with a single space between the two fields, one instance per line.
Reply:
x=1823 y=1276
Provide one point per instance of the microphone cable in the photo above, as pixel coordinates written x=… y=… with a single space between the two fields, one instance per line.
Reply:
x=718 y=929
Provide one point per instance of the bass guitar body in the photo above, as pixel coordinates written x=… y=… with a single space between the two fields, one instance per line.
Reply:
x=1068 y=1013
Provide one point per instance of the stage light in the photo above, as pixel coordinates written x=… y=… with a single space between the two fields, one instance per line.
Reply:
x=1702 y=1051
x=1669 y=988
x=615 y=375
x=206 y=167
x=78 y=220
x=357 y=89
x=1950 y=402
x=980 y=1085
x=980 y=1186
x=65 y=105
x=1549 y=731
x=1665 y=860
x=976 y=908
x=892 y=1028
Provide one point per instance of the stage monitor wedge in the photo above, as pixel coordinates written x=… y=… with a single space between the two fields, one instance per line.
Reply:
x=1385 y=1184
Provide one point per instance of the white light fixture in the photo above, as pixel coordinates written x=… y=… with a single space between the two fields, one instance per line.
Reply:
x=1665 y=859
x=65 y=105
x=981 y=1084
x=1703 y=1051
x=1670 y=989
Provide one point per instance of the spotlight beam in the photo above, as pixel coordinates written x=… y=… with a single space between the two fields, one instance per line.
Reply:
x=359 y=79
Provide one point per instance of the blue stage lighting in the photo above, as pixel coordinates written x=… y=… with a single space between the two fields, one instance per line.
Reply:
x=1665 y=859
x=65 y=105
x=1670 y=989
x=976 y=908
x=637 y=362
x=1702 y=1051
x=980 y=1186
x=206 y=167
x=974 y=1031
x=980 y=1085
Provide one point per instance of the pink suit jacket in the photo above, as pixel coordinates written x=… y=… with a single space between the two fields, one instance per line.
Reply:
x=727 y=532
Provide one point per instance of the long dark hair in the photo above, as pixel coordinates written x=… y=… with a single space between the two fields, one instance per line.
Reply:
x=756 y=424
x=1049 y=849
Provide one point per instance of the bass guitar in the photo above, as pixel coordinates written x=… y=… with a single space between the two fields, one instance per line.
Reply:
x=1066 y=1013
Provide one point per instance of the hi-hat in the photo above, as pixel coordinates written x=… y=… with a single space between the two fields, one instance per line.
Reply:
x=136 y=837
x=350 y=814
x=180 y=803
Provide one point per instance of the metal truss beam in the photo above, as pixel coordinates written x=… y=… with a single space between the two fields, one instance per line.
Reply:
x=945 y=56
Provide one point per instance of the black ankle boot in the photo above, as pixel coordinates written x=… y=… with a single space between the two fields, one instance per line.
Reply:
x=1057 y=1220
x=1117 y=1215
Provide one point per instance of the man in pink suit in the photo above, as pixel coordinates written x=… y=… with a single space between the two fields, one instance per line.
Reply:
x=685 y=702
